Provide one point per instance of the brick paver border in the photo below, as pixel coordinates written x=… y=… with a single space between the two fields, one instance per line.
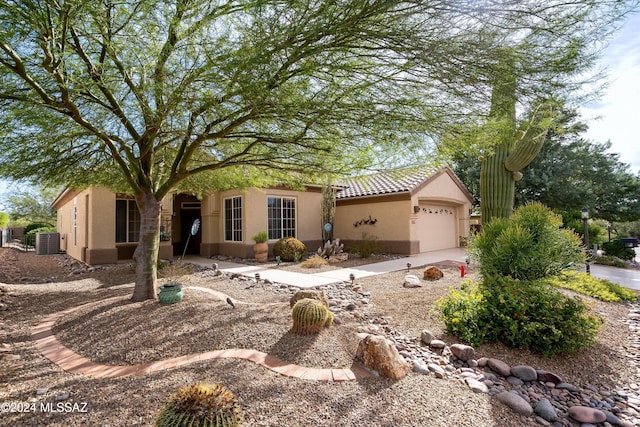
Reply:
x=49 y=346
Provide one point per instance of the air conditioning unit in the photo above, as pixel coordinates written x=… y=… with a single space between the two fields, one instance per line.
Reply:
x=47 y=243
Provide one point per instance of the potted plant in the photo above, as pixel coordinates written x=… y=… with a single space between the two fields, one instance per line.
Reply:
x=261 y=248
x=171 y=291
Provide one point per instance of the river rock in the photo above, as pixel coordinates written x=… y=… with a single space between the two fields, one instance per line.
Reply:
x=476 y=386
x=462 y=352
x=612 y=419
x=437 y=370
x=438 y=344
x=499 y=367
x=420 y=367
x=426 y=337
x=548 y=377
x=515 y=402
x=545 y=409
x=525 y=373
x=584 y=414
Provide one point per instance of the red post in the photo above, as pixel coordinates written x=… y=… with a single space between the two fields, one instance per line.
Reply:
x=462 y=273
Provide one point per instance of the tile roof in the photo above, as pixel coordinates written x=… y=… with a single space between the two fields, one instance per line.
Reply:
x=397 y=181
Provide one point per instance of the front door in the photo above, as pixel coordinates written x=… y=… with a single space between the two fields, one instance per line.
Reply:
x=192 y=242
x=187 y=209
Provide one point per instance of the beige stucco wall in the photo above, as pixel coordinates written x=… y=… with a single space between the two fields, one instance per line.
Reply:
x=254 y=209
x=87 y=226
x=391 y=219
x=75 y=216
x=384 y=219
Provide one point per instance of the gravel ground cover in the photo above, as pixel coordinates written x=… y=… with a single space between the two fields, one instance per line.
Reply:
x=123 y=333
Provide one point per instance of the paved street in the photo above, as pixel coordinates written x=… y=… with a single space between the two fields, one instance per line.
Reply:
x=626 y=277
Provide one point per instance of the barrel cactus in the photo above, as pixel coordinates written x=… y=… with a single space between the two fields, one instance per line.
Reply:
x=310 y=316
x=289 y=249
x=316 y=295
x=201 y=405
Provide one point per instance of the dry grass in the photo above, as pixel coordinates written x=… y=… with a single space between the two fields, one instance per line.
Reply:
x=315 y=261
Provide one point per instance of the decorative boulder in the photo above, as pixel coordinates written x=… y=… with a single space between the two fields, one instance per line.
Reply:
x=433 y=273
x=382 y=356
x=411 y=281
x=316 y=295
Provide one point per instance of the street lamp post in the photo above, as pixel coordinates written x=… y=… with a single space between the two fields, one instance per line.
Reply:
x=585 y=222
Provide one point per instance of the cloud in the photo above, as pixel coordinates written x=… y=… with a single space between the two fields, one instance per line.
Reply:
x=618 y=109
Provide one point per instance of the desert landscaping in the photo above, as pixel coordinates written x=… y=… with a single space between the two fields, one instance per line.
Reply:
x=114 y=331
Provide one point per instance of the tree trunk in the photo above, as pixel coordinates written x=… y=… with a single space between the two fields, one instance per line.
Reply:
x=146 y=254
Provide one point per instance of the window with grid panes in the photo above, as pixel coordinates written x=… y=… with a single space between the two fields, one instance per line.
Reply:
x=233 y=219
x=281 y=213
x=127 y=221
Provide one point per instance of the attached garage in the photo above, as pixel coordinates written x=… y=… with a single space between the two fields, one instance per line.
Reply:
x=437 y=226
x=406 y=212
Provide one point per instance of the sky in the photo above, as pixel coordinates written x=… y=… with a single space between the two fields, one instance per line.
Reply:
x=616 y=116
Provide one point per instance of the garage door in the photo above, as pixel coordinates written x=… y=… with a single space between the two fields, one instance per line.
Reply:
x=437 y=227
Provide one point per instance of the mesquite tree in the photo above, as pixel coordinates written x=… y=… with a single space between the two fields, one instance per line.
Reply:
x=153 y=96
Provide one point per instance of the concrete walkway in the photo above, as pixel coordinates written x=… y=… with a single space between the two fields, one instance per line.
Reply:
x=626 y=277
x=302 y=280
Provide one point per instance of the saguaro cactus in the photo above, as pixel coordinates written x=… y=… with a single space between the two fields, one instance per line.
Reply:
x=514 y=149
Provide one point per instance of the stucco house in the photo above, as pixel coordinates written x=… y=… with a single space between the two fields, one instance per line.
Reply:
x=406 y=213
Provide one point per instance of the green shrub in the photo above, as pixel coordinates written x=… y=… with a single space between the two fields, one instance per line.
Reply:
x=592 y=286
x=522 y=314
x=535 y=315
x=30 y=236
x=460 y=312
x=617 y=249
x=528 y=246
x=35 y=226
x=289 y=249
x=609 y=260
